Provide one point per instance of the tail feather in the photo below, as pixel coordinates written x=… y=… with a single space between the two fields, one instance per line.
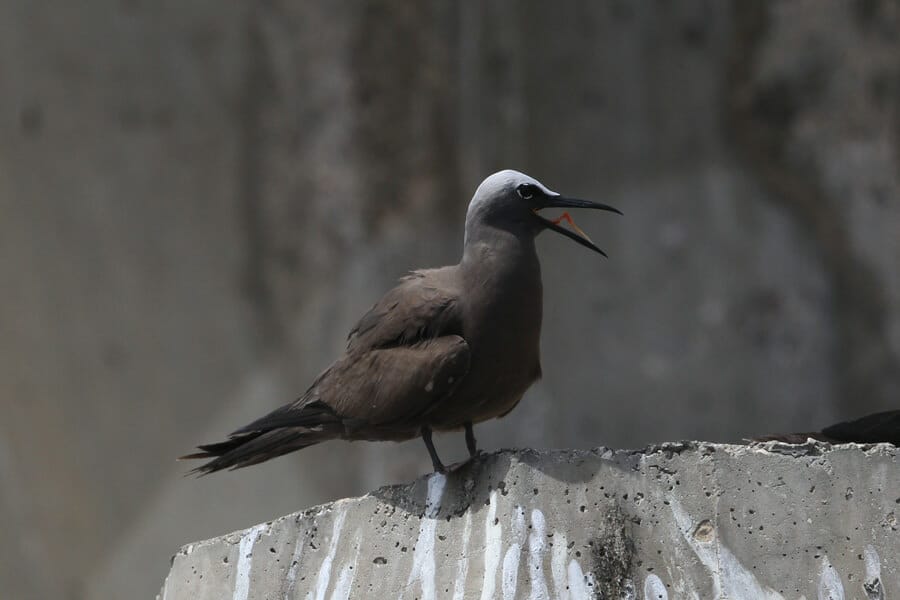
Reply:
x=284 y=430
x=251 y=449
x=311 y=413
x=220 y=448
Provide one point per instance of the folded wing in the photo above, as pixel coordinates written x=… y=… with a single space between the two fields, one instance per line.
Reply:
x=405 y=355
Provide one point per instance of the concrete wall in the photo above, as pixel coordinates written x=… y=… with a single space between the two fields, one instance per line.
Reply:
x=198 y=199
x=688 y=520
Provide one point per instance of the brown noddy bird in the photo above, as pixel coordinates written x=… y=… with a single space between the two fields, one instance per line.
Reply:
x=877 y=428
x=445 y=349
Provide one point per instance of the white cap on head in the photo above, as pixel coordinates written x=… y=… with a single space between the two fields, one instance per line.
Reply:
x=504 y=181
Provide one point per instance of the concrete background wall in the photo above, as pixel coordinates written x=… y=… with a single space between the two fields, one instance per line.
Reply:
x=197 y=200
x=675 y=521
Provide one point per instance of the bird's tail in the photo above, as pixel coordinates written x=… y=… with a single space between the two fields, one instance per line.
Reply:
x=274 y=435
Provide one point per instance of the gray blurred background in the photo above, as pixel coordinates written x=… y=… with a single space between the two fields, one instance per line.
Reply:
x=198 y=199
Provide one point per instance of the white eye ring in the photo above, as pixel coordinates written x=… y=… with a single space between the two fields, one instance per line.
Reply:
x=525 y=192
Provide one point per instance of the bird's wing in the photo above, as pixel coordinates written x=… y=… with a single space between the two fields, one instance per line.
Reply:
x=403 y=356
x=414 y=311
x=386 y=388
x=374 y=394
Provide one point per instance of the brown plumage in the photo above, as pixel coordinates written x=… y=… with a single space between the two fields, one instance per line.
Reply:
x=443 y=350
x=882 y=427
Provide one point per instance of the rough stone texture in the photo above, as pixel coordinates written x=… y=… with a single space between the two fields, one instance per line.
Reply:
x=685 y=520
x=198 y=199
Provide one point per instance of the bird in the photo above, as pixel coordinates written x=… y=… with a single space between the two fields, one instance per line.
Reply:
x=876 y=428
x=445 y=349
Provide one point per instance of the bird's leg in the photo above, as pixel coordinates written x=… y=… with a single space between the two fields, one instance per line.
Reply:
x=470 y=441
x=435 y=460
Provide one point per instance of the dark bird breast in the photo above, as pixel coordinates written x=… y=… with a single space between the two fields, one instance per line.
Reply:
x=502 y=313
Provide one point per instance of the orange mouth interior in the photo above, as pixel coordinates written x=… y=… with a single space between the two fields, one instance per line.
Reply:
x=568 y=219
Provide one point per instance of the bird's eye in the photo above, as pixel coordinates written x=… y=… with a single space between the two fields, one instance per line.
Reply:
x=526 y=191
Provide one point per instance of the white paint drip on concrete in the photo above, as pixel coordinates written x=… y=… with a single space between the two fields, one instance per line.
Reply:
x=510 y=577
x=345 y=579
x=873 y=563
x=558 y=565
x=435 y=494
x=873 y=585
x=245 y=560
x=830 y=586
x=731 y=579
x=462 y=567
x=492 y=548
x=291 y=577
x=578 y=587
x=537 y=545
x=654 y=588
x=423 y=569
x=680 y=589
x=737 y=581
x=324 y=577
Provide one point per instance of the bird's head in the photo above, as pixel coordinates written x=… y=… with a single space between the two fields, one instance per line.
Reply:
x=511 y=201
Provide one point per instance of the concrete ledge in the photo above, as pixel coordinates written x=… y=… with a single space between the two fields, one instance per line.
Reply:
x=687 y=520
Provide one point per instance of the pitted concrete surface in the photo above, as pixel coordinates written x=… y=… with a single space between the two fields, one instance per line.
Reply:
x=686 y=520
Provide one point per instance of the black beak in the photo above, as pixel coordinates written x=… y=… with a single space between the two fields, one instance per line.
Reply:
x=578 y=235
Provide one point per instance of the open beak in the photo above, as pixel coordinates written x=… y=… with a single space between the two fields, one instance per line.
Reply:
x=578 y=235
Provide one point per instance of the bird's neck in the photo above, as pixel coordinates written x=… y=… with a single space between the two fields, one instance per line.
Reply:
x=498 y=253
x=503 y=298
x=501 y=262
